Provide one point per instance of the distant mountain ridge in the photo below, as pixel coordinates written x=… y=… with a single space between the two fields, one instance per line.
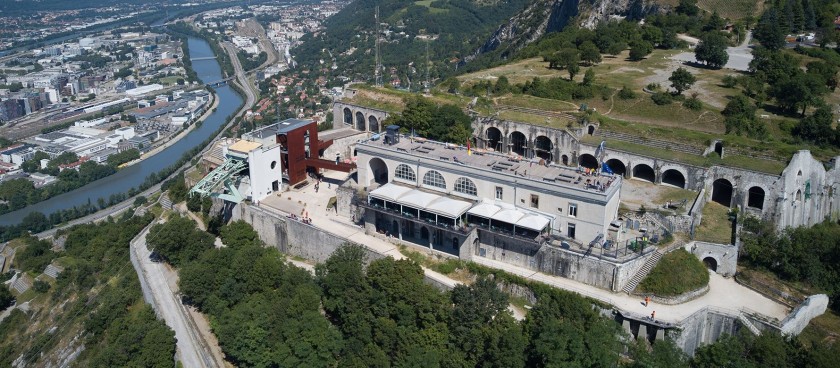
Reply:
x=545 y=16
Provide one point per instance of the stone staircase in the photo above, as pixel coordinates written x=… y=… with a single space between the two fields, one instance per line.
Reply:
x=22 y=284
x=643 y=272
x=748 y=324
x=666 y=145
x=165 y=202
x=53 y=271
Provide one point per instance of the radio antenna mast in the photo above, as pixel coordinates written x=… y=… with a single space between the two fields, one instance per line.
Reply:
x=427 y=84
x=378 y=71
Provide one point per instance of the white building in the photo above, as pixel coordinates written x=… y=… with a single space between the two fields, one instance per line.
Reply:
x=265 y=172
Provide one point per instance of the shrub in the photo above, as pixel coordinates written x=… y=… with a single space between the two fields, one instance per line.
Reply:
x=653 y=87
x=662 y=98
x=626 y=93
x=693 y=104
x=678 y=272
x=729 y=81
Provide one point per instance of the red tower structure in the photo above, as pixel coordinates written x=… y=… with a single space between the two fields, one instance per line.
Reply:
x=300 y=150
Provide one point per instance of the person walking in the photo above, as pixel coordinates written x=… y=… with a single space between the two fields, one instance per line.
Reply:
x=653 y=315
x=647 y=301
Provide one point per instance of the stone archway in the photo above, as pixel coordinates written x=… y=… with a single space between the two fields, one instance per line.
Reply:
x=588 y=161
x=644 y=172
x=722 y=192
x=373 y=124
x=494 y=138
x=348 y=116
x=377 y=171
x=673 y=177
x=617 y=166
x=518 y=143
x=360 y=121
x=565 y=160
x=543 y=147
x=755 y=198
x=711 y=263
x=590 y=130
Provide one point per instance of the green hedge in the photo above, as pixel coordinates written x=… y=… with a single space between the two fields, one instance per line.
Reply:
x=678 y=272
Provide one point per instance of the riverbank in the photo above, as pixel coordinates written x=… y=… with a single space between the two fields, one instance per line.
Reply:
x=145 y=175
x=177 y=137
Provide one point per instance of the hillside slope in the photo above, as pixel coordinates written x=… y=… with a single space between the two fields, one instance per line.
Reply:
x=545 y=16
x=452 y=29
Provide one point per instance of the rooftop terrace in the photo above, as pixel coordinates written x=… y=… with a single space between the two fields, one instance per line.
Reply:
x=514 y=165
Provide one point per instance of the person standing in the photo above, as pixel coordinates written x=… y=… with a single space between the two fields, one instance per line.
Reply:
x=653 y=315
x=647 y=301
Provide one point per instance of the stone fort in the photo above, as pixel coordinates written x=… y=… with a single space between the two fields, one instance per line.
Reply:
x=803 y=194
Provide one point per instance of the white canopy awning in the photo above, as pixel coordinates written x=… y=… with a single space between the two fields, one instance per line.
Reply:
x=417 y=199
x=425 y=201
x=484 y=209
x=448 y=207
x=389 y=192
x=509 y=216
x=533 y=222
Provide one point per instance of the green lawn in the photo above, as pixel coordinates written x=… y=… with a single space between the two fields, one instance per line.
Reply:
x=715 y=226
x=676 y=273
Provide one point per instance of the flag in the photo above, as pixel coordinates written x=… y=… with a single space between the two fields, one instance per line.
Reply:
x=605 y=168
x=469 y=150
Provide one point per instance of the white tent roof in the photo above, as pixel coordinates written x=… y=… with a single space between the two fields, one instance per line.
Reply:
x=421 y=200
x=533 y=222
x=417 y=199
x=509 y=216
x=390 y=192
x=484 y=209
x=448 y=207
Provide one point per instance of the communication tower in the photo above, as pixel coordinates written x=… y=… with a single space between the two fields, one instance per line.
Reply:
x=378 y=68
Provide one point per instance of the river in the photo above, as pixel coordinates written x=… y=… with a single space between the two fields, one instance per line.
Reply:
x=132 y=176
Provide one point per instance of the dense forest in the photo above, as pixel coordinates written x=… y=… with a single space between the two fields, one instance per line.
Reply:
x=358 y=312
x=95 y=303
x=801 y=255
x=457 y=28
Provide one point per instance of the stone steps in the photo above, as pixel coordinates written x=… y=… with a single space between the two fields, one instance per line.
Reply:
x=748 y=324
x=643 y=272
x=21 y=285
x=165 y=202
x=666 y=145
x=53 y=271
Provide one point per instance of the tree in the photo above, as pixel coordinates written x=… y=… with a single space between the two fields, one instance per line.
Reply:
x=616 y=48
x=417 y=115
x=568 y=59
x=681 y=80
x=588 y=77
x=640 y=49
x=715 y=23
x=768 y=32
x=687 y=7
x=239 y=234
x=453 y=85
x=502 y=85
x=712 y=50
x=589 y=53
x=6 y=298
x=817 y=127
x=798 y=92
x=178 y=241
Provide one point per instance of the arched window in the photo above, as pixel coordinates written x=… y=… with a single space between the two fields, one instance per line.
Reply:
x=434 y=179
x=466 y=186
x=405 y=172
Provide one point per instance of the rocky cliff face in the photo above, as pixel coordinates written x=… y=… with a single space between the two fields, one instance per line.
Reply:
x=544 y=16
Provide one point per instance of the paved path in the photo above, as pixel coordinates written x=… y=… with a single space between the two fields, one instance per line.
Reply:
x=161 y=283
x=724 y=293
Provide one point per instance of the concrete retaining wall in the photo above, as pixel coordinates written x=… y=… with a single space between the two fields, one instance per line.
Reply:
x=797 y=320
x=704 y=327
x=292 y=237
x=679 y=299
